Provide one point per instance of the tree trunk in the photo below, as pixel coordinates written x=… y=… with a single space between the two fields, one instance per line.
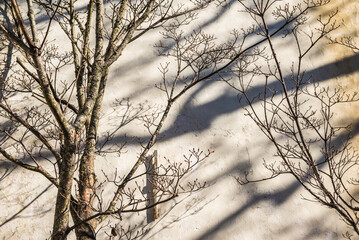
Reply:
x=67 y=169
x=87 y=177
x=86 y=192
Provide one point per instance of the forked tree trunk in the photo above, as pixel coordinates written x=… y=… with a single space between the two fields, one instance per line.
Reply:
x=87 y=177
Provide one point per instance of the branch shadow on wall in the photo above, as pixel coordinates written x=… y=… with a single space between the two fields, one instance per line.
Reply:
x=198 y=118
x=18 y=213
x=277 y=198
x=205 y=114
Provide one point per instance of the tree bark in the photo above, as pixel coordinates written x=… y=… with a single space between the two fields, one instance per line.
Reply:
x=67 y=169
x=87 y=177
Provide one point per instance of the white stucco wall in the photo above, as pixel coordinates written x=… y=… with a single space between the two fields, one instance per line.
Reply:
x=207 y=117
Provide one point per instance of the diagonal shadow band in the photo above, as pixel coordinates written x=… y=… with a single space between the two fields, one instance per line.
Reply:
x=202 y=116
x=25 y=207
x=277 y=198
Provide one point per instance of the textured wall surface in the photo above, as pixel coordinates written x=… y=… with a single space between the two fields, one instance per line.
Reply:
x=207 y=117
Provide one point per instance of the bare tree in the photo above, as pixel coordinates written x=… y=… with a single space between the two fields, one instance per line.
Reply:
x=63 y=121
x=297 y=116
